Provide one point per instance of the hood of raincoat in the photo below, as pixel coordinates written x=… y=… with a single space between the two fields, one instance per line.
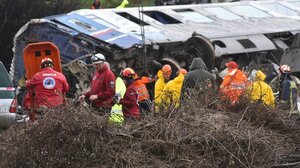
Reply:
x=260 y=76
x=198 y=63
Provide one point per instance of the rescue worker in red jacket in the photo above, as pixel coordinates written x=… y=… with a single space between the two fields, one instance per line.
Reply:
x=102 y=85
x=129 y=102
x=144 y=101
x=234 y=83
x=48 y=86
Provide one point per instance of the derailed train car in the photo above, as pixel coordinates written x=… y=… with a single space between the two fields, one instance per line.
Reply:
x=254 y=34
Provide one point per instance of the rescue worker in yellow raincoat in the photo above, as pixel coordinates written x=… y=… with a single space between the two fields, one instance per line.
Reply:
x=259 y=90
x=234 y=83
x=163 y=76
x=172 y=90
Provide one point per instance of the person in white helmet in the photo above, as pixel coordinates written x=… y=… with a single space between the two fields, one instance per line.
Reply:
x=102 y=85
x=288 y=88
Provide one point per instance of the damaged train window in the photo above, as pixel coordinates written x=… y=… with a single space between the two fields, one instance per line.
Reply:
x=193 y=15
x=83 y=25
x=132 y=18
x=297 y=4
x=223 y=13
x=246 y=43
x=47 y=52
x=249 y=11
x=280 y=9
x=161 y=17
x=38 y=53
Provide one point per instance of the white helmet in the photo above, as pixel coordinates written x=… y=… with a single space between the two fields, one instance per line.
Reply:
x=98 y=58
x=285 y=68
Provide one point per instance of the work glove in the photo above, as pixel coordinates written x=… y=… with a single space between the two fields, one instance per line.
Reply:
x=93 y=97
x=117 y=98
x=81 y=97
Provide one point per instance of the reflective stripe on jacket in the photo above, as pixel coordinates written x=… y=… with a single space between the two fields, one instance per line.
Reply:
x=140 y=87
x=233 y=85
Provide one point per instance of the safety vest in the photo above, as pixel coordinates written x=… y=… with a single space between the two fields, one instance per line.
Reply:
x=140 y=87
x=116 y=116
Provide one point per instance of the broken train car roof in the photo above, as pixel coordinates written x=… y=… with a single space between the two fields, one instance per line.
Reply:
x=239 y=27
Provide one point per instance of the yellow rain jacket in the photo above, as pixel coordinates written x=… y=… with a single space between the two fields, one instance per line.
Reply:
x=116 y=116
x=172 y=90
x=158 y=89
x=260 y=90
x=123 y=4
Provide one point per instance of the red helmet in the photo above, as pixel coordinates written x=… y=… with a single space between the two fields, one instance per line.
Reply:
x=46 y=62
x=128 y=72
x=231 y=65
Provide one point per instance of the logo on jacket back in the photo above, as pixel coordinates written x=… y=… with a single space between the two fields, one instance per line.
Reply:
x=49 y=83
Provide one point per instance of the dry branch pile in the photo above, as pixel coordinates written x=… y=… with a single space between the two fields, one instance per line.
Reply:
x=202 y=133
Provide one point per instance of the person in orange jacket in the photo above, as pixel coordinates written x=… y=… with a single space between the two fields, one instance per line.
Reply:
x=144 y=101
x=234 y=83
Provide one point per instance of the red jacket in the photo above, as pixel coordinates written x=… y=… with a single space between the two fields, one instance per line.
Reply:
x=129 y=103
x=49 y=87
x=103 y=85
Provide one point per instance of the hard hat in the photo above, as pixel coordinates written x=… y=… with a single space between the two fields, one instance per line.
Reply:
x=167 y=69
x=231 y=65
x=182 y=71
x=128 y=72
x=98 y=58
x=285 y=68
x=46 y=62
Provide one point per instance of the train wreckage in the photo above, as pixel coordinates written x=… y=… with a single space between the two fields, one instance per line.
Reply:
x=255 y=34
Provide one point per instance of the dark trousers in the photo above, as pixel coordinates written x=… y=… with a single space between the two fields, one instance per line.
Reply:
x=146 y=106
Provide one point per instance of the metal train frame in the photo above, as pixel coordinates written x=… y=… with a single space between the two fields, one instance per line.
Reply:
x=256 y=34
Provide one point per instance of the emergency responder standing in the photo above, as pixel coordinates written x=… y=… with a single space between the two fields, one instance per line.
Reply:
x=288 y=89
x=197 y=80
x=129 y=102
x=102 y=85
x=172 y=90
x=259 y=90
x=49 y=86
x=234 y=83
x=163 y=76
x=116 y=115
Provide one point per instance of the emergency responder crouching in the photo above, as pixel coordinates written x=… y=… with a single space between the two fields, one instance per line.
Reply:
x=234 y=83
x=102 y=85
x=129 y=102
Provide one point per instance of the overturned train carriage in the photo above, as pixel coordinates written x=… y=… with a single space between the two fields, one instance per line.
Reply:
x=252 y=33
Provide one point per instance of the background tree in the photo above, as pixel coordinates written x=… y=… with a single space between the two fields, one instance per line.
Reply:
x=16 y=13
